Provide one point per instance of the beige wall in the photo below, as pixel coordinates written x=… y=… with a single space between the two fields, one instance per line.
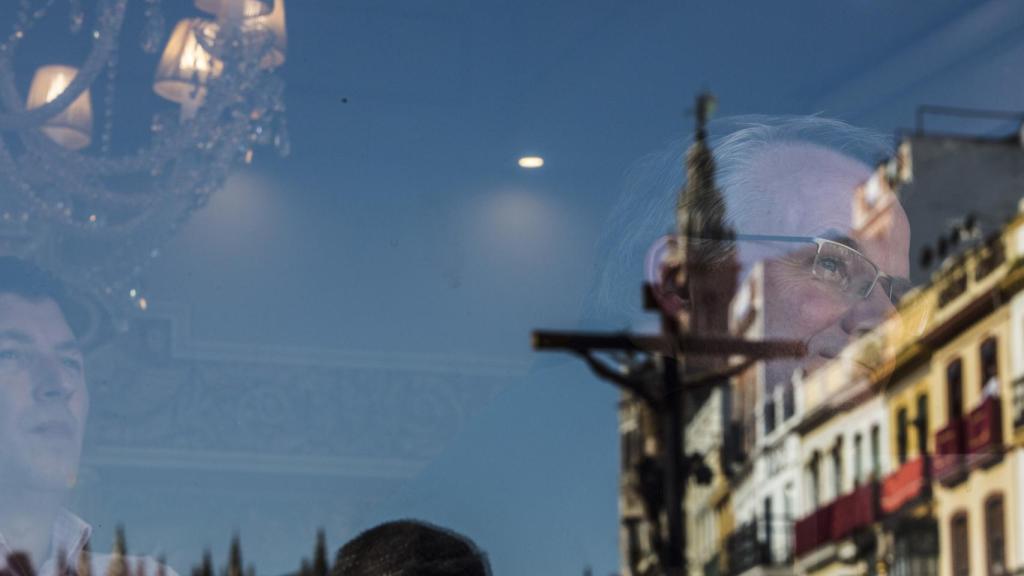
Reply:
x=1004 y=477
x=970 y=496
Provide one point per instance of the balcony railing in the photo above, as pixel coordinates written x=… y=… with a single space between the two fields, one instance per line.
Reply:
x=746 y=550
x=855 y=511
x=906 y=485
x=712 y=566
x=814 y=530
x=950 y=445
x=757 y=544
x=985 y=433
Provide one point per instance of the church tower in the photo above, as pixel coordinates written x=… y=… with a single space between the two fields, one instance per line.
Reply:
x=706 y=252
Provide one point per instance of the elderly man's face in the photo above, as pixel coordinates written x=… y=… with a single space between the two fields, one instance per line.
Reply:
x=808 y=192
x=43 y=398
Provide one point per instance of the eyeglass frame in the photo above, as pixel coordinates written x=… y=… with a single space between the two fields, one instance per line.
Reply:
x=819 y=241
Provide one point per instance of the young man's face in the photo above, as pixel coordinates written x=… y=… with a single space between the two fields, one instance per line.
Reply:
x=43 y=398
x=811 y=190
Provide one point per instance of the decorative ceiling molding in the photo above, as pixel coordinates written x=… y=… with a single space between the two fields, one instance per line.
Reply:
x=182 y=345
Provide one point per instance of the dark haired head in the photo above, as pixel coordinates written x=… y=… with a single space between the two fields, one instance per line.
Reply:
x=25 y=279
x=410 y=548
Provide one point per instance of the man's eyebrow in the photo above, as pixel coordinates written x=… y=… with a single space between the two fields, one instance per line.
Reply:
x=16 y=335
x=840 y=238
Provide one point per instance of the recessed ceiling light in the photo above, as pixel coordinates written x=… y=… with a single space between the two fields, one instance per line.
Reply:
x=531 y=162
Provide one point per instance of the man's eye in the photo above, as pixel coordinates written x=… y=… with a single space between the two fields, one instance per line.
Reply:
x=832 y=270
x=72 y=363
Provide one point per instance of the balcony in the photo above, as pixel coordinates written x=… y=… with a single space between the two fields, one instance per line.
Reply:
x=985 y=434
x=746 y=550
x=950 y=446
x=907 y=485
x=711 y=567
x=855 y=510
x=814 y=530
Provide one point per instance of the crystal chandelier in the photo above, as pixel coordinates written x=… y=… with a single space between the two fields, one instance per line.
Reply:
x=94 y=211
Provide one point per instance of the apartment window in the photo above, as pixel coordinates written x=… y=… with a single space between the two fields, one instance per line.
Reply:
x=991 y=257
x=788 y=401
x=953 y=287
x=989 y=367
x=876 y=452
x=902 y=431
x=769 y=416
x=959 y=545
x=787 y=502
x=921 y=423
x=1018 y=402
x=837 y=468
x=954 y=390
x=814 y=478
x=858 y=460
x=995 y=537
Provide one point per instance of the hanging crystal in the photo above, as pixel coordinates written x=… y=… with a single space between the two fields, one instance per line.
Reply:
x=282 y=141
x=76 y=16
x=154 y=28
x=108 y=105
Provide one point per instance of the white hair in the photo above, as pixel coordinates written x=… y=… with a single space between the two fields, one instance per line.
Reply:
x=646 y=209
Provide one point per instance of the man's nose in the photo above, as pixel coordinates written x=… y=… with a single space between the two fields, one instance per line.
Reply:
x=867 y=313
x=50 y=382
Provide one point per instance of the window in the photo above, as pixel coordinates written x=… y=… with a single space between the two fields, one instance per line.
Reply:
x=858 y=457
x=788 y=401
x=837 y=468
x=989 y=365
x=959 y=545
x=876 y=452
x=921 y=423
x=902 y=430
x=954 y=390
x=1018 y=402
x=814 y=479
x=769 y=416
x=954 y=286
x=991 y=257
x=995 y=538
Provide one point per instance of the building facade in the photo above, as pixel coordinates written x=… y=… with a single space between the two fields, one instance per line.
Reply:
x=905 y=454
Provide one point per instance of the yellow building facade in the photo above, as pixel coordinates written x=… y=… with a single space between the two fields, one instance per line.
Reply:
x=946 y=494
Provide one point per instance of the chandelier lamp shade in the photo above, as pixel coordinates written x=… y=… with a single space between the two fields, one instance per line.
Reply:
x=96 y=209
x=72 y=128
x=266 y=16
x=186 y=66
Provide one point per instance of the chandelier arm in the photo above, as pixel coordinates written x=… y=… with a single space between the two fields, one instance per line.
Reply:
x=163 y=151
x=54 y=214
x=53 y=159
x=18 y=118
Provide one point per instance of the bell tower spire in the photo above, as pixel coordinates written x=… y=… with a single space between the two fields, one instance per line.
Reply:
x=700 y=211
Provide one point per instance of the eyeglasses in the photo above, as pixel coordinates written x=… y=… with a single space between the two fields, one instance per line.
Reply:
x=842 y=268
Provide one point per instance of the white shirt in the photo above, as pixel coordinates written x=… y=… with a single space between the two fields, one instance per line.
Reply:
x=991 y=388
x=69 y=536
